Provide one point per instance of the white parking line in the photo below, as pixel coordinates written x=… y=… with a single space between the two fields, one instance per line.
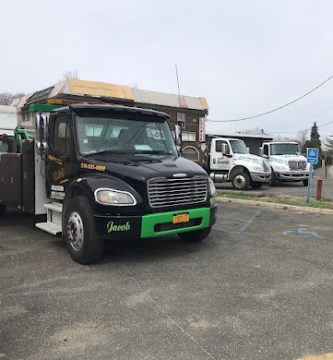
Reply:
x=246 y=223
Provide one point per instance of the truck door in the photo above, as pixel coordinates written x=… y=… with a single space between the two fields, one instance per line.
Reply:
x=59 y=162
x=218 y=161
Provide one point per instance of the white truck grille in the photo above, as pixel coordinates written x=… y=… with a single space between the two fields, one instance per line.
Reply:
x=164 y=192
x=297 y=165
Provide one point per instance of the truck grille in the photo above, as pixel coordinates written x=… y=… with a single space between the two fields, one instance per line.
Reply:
x=163 y=192
x=297 y=165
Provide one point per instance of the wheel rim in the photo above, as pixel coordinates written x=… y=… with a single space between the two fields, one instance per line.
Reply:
x=239 y=181
x=75 y=231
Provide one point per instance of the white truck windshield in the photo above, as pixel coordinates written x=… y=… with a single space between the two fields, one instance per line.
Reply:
x=98 y=134
x=238 y=147
x=285 y=149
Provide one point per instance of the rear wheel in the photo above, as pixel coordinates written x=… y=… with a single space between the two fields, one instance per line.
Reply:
x=195 y=236
x=256 y=185
x=79 y=232
x=306 y=182
x=240 y=180
x=2 y=209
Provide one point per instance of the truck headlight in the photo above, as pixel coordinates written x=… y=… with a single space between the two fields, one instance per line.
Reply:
x=282 y=168
x=212 y=188
x=114 y=197
x=258 y=168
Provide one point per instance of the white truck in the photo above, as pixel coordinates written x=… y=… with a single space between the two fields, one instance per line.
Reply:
x=286 y=161
x=229 y=160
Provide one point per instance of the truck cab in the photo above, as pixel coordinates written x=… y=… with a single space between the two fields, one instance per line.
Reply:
x=113 y=172
x=229 y=160
x=286 y=161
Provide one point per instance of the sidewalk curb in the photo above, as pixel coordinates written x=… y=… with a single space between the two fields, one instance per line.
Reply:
x=272 y=205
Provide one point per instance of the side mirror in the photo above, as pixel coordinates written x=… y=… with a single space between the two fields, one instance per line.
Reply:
x=178 y=135
x=261 y=153
x=225 y=149
x=41 y=143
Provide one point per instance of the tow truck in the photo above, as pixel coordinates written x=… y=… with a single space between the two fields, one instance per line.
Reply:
x=103 y=172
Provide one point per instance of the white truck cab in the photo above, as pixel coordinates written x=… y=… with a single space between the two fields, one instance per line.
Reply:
x=229 y=160
x=286 y=161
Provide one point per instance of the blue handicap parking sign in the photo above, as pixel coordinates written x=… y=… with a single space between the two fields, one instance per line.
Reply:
x=312 y=155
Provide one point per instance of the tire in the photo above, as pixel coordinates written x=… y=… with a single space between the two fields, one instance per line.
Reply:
x=79 y=232
x=256 y=185
x=195 y=236
x=240 y=180
x=2 y=210
x=306 y=182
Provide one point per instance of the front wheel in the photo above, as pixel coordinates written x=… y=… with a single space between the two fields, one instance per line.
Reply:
x=79 y=232
x=195 y=236
x=306 y=182
x=240 y=180
x=256 y=185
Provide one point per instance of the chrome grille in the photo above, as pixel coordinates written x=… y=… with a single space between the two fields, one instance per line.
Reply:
x=297 y=165
x=164 y=192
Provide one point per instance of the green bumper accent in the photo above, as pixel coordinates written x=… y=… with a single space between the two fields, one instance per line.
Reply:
x=150 y=221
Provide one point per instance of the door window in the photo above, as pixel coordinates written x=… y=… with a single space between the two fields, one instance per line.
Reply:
x=61 y=136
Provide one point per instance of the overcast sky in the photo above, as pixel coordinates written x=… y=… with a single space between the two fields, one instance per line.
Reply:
x=244 y=56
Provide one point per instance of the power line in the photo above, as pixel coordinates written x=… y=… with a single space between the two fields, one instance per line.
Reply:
x=278 y=108
x=292 y=132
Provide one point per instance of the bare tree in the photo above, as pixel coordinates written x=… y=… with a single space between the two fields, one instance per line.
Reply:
x=284 y=138
x=70 y=75
x=6 y=98
x=329 y=145
x=302 y=137
x=255 y=131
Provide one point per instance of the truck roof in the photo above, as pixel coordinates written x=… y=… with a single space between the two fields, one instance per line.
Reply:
x=281 y=142
x=116 y=108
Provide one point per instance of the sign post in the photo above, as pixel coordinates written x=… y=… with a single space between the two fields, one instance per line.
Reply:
x=312 y=158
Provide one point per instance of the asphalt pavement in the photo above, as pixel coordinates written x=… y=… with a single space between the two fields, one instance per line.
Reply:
x=295 y=188
x=260 y=287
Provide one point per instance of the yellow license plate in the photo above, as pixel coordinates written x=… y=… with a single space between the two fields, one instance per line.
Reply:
x=181 y=218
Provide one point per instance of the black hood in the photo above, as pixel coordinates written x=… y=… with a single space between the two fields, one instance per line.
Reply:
x=143 y=168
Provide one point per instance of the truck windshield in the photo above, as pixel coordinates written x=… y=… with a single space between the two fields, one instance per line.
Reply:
x=238 y=147
x=105 y=134
x=285 y=149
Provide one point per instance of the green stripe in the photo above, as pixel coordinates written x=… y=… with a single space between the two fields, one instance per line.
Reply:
x=43 y=107
x=149 y=222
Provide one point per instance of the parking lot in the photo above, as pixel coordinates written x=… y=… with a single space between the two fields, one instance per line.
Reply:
x=294 y=188
x=260 y=287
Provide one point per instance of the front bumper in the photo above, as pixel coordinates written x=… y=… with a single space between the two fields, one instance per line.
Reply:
x=292 y=176
x=153 y=225
x=264 y=177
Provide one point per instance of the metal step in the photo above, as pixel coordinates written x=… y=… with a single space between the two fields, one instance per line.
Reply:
x=54 y=219
x=50 y=227
x=54 y=206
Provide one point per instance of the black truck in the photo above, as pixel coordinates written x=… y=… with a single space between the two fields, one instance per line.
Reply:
x=109 y=172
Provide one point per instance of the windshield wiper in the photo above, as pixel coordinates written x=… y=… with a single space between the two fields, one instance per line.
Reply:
x=115 y=152
x=153 y=152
